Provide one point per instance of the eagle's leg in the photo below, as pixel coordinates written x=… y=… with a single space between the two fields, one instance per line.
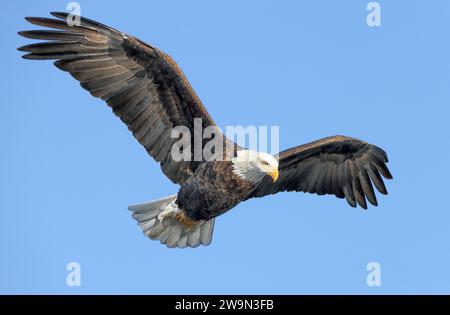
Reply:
x=185 y=220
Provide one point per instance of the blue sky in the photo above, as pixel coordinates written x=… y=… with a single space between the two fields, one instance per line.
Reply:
x=69 y=168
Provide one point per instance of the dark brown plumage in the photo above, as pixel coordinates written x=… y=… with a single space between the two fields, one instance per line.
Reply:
x=220 y=190
x=148 y=91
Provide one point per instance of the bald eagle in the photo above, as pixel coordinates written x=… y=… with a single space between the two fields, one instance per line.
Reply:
x=147 y=90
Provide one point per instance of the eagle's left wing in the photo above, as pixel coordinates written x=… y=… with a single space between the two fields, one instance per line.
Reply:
x=340 y=166
x=144 y=87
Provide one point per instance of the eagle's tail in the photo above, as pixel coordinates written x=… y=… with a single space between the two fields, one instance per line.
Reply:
x=158 y=221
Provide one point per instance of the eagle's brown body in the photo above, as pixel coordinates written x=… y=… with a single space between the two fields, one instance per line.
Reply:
x=212 y=190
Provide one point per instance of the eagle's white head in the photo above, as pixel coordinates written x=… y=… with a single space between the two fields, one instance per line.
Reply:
x=252 y=166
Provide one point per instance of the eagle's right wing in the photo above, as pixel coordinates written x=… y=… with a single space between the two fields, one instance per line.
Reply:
x=340 y=166
x=144 y=87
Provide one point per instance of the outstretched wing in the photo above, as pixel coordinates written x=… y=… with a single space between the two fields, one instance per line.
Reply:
x=144 y=87
x=340 y=166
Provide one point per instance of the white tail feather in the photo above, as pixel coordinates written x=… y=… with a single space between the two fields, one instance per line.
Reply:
x=157 y=220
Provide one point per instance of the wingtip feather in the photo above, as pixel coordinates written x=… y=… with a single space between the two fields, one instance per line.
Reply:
x=59 y=14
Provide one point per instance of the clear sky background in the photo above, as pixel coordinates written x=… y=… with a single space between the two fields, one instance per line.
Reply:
x=69 y=168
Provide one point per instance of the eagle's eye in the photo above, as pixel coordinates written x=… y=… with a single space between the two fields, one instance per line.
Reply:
x=265 y=163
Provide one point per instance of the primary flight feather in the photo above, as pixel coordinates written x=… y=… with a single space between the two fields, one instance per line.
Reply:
x=148 y=91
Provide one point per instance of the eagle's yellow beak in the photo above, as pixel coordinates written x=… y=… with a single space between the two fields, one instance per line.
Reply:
x=274 y=174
